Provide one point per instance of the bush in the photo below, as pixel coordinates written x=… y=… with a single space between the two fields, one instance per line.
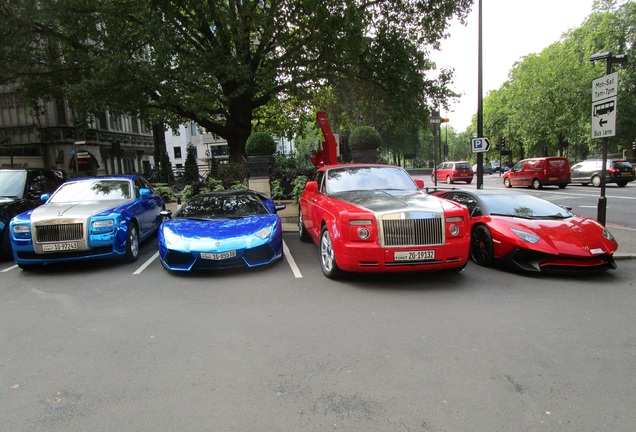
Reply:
x=165 y=192
x=364 y=138
x=260 y=144
x=288 y=177
x=232 y=173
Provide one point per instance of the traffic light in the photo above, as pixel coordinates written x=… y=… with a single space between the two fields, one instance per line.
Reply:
x=503 y=142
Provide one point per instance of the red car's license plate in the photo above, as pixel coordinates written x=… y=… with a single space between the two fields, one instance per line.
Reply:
x=414 y=255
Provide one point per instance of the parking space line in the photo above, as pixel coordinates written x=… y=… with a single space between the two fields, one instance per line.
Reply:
x=147 y=263
x=292 y=263
x=9 y=268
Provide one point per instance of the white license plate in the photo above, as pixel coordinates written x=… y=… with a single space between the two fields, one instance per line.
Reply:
x=55 y=247
x=218 y=256
x=414 y=255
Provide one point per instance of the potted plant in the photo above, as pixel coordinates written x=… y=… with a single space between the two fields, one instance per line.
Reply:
x=364 y=143
x=260 y=148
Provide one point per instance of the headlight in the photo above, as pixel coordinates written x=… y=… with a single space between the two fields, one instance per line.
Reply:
x=608 y=235
x=107 y=223
x=363 y=233
x=171 y=238
x=454 y=230
x=526 y=236
x=263 y=232
x=22 y=231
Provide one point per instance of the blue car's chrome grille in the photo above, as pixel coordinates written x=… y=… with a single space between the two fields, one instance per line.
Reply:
x=413 y=232
x=59 y=232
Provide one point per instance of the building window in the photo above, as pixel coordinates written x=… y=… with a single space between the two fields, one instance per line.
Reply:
x=134 y=123
x=177 y=152
x=193 y=129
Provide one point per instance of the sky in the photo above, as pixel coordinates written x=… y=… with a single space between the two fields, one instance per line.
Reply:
x=511 y=29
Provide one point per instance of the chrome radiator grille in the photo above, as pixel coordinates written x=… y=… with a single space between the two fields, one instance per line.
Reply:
x=411 y=232
x=59 y=232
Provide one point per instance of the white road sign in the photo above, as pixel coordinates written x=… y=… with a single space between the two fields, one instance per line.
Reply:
x=604 y=106
x=480 y=145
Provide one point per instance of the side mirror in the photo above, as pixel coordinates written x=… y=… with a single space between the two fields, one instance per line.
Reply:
x=311 y=186
x=279 y=207
x=419 y=183
x=144 y=192
x=45 y=197
x=165 y=214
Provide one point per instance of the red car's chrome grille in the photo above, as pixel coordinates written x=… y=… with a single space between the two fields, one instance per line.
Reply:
x=412 y=232
x=59 y=232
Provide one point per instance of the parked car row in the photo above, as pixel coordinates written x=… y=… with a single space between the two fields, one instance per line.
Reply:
x=364 y=218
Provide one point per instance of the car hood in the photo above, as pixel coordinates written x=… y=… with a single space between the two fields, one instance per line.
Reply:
x=379 y=201
x=76 y=210
x=218 y=229
x=572 y=236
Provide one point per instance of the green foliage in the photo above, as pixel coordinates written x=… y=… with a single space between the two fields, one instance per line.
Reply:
x=364 y=138
x=233 y=173
x=194 y=189
x=191 y=170
x=226 y=66
x=165 y=192
x=298 y=187
x=288 y=177
x=165 y=169
x=260 y=144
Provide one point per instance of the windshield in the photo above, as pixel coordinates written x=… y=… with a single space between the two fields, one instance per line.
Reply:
x=92 y=190
x=368 y=178
x=12 y=183
x=222 y=207
x=526 y=206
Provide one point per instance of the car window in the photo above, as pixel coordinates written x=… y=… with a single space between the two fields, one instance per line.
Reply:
x=222 y=207
x=12 y=183
x=522 y=206
x=93 y=190
x=467 y=200
x=462 y=165
x=368 y=178
x=622 y=164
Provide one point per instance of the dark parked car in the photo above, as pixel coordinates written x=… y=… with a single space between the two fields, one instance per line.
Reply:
x=618 y=171
x=20 y=190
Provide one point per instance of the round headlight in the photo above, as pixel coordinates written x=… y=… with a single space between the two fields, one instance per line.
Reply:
x=454 y=230
x=363 y=233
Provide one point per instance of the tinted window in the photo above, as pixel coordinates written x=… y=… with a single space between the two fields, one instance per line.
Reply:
x=222 y=207
x=12 y=183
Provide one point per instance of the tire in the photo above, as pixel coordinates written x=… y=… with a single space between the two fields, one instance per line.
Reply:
x=596 y=181
x=132 y=243
x=507 y=182
x=481 y=246
x=327 y=256
x=621 y=184
x=302 y=231
x=584 y=184
x=562 y=186
x=536 y=184
x=469 y=181
x=5 y=245
x=448 y=180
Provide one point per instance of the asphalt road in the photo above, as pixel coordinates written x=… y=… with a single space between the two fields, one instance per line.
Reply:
x=105 y=346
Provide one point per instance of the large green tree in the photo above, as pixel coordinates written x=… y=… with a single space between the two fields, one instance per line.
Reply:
x=219 y=63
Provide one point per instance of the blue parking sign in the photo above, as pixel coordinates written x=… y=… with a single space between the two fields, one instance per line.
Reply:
x=480 y=145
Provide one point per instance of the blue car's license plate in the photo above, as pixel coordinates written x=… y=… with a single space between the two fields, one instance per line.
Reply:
x=218 y=256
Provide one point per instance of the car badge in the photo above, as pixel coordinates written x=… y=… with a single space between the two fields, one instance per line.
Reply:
x=586 y=248
x=217 y=244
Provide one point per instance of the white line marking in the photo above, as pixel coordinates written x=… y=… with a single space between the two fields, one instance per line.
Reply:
x=292 y=263
x=147 y=263
x=10 y=268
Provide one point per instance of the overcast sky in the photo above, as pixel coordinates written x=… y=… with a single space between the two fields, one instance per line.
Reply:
x=511 y=29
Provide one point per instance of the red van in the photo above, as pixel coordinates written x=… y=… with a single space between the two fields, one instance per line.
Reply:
x=450 y=172
x=539 y=172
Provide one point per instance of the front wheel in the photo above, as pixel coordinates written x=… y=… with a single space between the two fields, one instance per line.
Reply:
x=621 y=184
x=132 y=243
x=507 y=182
x=302 y=231
x=449 y=180
x=596 y=181
x=536 y=184
x=481 y=246
x=327 y=256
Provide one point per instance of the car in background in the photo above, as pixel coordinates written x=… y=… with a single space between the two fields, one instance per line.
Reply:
x=451 y=172
x=370 y=218
x=87 y=218
x=20 y=190
x=224 y=229
x=539 y=172
x=618 y=171
x=497 y=167
x=531 y=234
x=487 y=169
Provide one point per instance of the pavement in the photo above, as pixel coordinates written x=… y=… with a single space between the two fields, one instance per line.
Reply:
x=625 y=236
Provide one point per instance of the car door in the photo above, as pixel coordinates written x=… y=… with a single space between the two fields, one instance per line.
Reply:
x=577 y=174
x=517 y=173
x=149 y=206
